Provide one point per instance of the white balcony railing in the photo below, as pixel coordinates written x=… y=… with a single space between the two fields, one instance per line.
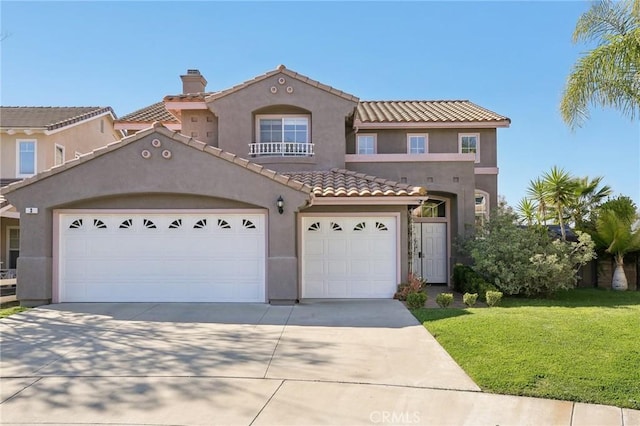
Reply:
x=284 y=149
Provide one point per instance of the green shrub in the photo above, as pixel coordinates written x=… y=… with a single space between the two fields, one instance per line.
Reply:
x=414 y=284
x=525 y=260
x=444 y=299
x=466 y=280
x=469 y=299
x=416 y=300
x=493 y=298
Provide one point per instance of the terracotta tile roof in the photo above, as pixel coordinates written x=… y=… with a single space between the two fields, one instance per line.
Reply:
x=188 y=97
x=346 y=183
x=424 y=112
x=282 y=69
x=49 y=118
x=150 y=114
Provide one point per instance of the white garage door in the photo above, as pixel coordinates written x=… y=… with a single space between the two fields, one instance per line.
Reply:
x=168 y=257
x=349 y=257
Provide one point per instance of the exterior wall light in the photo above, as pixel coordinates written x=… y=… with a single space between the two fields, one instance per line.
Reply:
x=280 y=204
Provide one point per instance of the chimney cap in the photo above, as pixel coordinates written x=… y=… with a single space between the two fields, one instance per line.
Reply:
x=193 y=71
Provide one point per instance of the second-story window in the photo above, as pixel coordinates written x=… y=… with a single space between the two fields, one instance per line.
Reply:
x=417 y=143
x=26 y=163
x=470 y=144
x=366 y=144
x=292 y=129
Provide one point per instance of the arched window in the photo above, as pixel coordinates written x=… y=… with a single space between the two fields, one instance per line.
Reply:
x=481 y=206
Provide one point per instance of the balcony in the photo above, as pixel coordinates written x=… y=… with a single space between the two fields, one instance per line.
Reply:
x=281 y=149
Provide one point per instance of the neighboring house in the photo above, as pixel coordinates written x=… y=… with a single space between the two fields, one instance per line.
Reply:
x=33 y=139
x=278 y=189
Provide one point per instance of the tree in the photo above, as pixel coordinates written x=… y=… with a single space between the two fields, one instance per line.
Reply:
x=609 y=74
x=538 y=193
x=561 y=190
x=615 y=231
x=527 y=211
x=589 y=195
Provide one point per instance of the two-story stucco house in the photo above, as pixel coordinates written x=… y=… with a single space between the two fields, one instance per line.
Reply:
x=278 y=189
x=34 y=139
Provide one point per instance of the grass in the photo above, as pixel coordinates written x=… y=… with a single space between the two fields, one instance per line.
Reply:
x=583 y=345
x=5 y=312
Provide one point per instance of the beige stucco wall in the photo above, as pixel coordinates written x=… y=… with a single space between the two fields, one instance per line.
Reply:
x=82 y=138
x=236 y=123
x=123 y=179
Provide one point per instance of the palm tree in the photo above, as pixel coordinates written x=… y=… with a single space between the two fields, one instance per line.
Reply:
x=589 y=195
x=560 y=190
x=616 y=233
x=527 y=211
x=609 y=74
x=538 y=193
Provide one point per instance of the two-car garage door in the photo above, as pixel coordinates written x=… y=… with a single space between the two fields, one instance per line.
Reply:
x=161 y=257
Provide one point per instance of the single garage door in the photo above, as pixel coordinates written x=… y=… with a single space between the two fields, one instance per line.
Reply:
x=349 y=257
x=161 y=257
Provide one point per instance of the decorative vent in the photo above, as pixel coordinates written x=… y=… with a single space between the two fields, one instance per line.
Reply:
x=336 y=227
x=201 y=224
x=314 y=226
x=149 y=224
x=76 y=224
x=126 y=224
x=223 y=224
x=97 y=223
x=176 y=224
x=360 y=226
x=381 y=226
x=248 y=224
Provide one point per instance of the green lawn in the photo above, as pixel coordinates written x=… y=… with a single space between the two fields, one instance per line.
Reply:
x=584 y=345
x=5 y=312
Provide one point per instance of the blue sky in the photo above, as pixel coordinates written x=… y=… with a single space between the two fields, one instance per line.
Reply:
x=510 y=57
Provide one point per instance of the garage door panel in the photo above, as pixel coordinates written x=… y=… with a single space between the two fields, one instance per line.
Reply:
x=191 y=257
x=350 y=257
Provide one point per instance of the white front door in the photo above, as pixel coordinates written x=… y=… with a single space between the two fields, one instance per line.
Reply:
x=161 y=257
x=349 y=257
x=430 y=251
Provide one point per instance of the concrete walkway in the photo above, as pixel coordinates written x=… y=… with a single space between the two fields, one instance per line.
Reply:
x=351 y=363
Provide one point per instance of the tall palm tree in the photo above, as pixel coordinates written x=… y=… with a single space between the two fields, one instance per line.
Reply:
x=527 y=211
x=537 y=190
x=589 y=195
x=615 y=232
x=560 y=189
x=609 y=74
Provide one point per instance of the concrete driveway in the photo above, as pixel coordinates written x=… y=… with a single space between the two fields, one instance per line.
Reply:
x=332 y=362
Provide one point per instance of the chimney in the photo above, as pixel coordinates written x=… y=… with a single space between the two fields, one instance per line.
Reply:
x=193 y=82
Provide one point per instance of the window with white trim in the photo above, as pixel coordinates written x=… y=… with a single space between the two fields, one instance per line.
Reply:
x=481 y=207
x=26 y=158
x=469 y=143
x=283 y=128
x=366 y=144
x=417 y=143
x=58 y=155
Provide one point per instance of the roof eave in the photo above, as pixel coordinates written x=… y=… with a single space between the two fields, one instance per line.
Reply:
x=357 y=124
x=387 y=200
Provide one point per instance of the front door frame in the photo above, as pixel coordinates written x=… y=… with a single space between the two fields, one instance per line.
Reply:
x=447 y=220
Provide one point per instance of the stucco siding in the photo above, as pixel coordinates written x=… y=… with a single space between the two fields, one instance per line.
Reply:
x=82 y=138
x=123 y=179
x=236 y=115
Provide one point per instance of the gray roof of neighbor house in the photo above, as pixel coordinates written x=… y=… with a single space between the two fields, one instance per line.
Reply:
x=347 y=183
x=444 y=111
x=150 y=114
x=49 y=118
